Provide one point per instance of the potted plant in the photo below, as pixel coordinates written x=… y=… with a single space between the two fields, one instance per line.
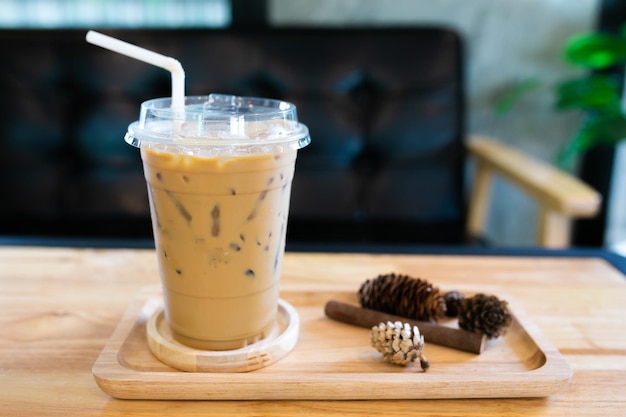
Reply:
x=598 y=93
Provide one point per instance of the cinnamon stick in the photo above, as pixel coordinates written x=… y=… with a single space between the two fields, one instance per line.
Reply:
x=433 y=333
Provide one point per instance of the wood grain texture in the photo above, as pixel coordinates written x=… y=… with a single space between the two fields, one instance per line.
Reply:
x=333 y=361
x=61 y=306
x=280 y=340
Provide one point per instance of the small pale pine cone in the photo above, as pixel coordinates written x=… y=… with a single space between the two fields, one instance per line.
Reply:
x=399 y=343
x=402 y=295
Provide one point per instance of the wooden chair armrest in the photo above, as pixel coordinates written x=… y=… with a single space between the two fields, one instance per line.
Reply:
x=560 y=195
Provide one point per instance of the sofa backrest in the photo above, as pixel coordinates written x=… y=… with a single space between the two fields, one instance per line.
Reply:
x=385 y=109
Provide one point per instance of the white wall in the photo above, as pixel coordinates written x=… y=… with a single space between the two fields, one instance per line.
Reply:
x=616 y=227
x=507 y=40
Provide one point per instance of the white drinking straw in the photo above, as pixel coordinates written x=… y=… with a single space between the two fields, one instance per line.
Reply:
x=170 y=64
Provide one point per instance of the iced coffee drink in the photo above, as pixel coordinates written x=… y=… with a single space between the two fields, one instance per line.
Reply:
x=219 y=179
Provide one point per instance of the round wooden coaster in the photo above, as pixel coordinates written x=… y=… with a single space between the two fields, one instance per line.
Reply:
x=277 y=344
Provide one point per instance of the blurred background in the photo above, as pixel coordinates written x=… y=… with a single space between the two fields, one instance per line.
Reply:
x=507 y=41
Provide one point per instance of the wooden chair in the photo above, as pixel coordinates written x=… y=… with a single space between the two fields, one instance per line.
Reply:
x=560 y=196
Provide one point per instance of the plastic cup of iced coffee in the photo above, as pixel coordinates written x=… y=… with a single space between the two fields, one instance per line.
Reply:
x=219 y=174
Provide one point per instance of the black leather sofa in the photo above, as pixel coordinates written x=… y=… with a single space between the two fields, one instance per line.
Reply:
x=385 y=109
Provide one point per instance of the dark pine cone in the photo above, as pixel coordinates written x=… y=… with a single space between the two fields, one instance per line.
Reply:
x=453 y=303
x=484 y=314
x=404 y=296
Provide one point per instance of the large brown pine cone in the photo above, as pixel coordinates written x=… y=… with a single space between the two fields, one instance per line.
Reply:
x=484 y=314
x=404 y=296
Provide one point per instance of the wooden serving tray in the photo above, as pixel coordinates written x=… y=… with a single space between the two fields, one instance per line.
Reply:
x=334 y=361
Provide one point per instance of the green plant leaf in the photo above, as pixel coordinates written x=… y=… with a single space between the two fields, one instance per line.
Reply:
x=595 y=92
x=607 y=129
x=604 y=129
x=595 y=50
x=515 y=94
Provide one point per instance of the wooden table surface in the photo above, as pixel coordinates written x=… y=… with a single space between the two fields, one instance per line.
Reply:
x=59 y=307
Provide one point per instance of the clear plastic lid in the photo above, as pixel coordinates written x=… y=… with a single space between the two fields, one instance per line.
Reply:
x=219 y=124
